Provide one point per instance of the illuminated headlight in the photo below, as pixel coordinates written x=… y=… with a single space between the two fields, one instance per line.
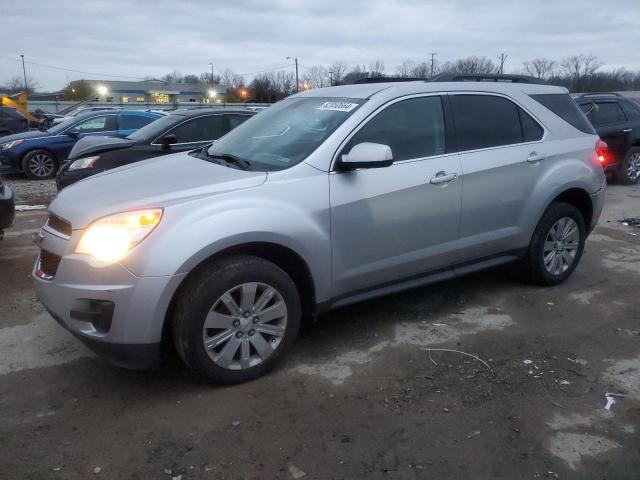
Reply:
x=83 y=163
x=111 y=238
x=11 y=144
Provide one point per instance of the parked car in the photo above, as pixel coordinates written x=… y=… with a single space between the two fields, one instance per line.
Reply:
x=48 y=119
x=7 y=207
x=40 y=154
x=179 y=131
x=329 y=197
x=12 y=122
x=617 y=121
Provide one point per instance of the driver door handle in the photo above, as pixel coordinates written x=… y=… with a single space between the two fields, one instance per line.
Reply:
x=535 y=157
x=443 y=177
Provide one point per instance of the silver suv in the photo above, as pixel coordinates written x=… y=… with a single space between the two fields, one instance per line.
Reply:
x=329 y=197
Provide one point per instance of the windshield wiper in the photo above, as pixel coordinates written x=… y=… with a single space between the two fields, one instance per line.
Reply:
x=232 y=159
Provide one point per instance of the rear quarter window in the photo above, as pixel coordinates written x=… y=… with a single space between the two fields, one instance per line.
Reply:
x=566 y=108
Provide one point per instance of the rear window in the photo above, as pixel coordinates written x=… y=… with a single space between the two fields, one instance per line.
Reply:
x=631 y=111
x=608 y=113
x=484 y=121
x=566 y=108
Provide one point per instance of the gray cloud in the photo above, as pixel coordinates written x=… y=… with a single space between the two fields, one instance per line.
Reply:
x=138 y=37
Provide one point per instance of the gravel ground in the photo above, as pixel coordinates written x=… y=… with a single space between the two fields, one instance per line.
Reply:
x=31 y=192
x=360 y=397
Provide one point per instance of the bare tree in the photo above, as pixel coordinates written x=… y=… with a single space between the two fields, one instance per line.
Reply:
x=357 y=73
x=376 y=69
x=316 y=76
x=405 y=69
x=578 y=68
x=474 y=64
x=173 y=77
x=541 y=68
x=336 y=72
x=16 y=85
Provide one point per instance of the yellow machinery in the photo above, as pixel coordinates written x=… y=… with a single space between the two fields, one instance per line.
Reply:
x=19 y=103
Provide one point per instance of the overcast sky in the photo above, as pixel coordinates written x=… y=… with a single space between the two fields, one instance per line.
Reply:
x=138 y=38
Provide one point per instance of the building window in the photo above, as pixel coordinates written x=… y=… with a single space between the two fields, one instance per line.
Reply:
x=139 y=99
x=109 y=99
x=161 y=98
x=125 y=99
x=192 y=100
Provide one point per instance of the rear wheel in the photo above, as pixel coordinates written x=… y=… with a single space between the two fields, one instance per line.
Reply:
x=556 y=246
x=236 y=318
x=629 y=172
x=39 y=165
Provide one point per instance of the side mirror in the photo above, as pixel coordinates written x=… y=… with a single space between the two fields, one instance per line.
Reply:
x=73 y=133
x=168 y=140
x=367 y=155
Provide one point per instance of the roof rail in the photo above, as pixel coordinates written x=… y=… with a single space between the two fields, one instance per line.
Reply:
x=485 y=77
x=387 y=79
x=598 y=94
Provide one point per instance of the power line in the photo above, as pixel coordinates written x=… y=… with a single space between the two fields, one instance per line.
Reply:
x=72 y=70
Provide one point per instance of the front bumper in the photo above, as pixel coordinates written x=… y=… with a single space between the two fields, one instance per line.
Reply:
x=130 y=333
x=7 y=207
x=66 y=177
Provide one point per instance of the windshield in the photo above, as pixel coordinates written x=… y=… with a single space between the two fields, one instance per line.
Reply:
x=286 y=133
x=156 y=128
x=62 y=125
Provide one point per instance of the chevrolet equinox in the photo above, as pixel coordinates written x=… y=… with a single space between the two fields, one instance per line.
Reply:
x=329 y=197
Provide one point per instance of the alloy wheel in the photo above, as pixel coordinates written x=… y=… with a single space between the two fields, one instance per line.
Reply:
x=561 y=246
x=633 y=166
x=41 y=165
x=245 y=326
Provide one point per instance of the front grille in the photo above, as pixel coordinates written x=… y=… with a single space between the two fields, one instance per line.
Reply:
x=59 y=225
x=49 y=263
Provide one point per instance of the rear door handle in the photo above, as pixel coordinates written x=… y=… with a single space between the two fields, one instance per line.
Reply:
x=443 y=177
x=535 y=157
x=627 y=130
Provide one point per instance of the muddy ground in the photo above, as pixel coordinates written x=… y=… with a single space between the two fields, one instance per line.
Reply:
x=360 y=397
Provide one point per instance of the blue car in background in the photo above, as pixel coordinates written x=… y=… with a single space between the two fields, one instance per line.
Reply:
x=40 y=154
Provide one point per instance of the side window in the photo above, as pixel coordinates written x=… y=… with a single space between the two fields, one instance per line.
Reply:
x=413 y=128
x=531 y=130
x=484 y=121
x=96 y=124
x=134 y=122
x=200 y=129
x=235 y=120
x=630 y=110
x=608 y=113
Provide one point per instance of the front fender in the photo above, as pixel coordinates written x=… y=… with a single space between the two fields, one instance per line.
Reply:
x=193 y=231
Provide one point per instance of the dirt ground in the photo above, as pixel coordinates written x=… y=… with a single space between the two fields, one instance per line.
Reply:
x=360 y=397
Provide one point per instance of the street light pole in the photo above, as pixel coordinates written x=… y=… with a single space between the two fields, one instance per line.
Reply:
x=211 y=65
x=26 y=88
x=433 y=54
x=295 y=59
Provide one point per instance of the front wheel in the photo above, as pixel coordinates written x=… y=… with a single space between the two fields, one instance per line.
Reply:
x=556 y=246
x=629 y=172
x=39 y=165
x=236 y=318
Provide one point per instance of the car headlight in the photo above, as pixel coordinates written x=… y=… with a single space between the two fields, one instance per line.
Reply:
x=11 y=144
x=84 y=163
x=111 y=238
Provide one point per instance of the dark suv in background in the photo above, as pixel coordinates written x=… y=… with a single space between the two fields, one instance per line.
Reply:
x=617 y=121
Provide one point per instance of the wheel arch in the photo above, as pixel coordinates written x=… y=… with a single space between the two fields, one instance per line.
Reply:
x=579 y=198
x=284 y=257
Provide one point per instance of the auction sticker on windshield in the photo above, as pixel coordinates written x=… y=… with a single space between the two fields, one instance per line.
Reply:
x=338 y=106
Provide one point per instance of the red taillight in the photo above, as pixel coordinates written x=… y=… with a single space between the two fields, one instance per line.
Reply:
x=601 y=151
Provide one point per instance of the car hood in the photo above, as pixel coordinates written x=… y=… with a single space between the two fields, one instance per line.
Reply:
x=24 y=136
x=156 y=182
x=95 y=144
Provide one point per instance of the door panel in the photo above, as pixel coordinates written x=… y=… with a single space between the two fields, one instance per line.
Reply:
x=391 y=223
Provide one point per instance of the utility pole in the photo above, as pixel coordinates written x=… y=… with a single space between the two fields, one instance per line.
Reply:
x=330 y=78
x=295 y=59
x=26 y=88
x=433 y=54
x=503 y=58
x=211 y=65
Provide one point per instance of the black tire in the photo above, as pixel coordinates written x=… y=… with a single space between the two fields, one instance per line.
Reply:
x=39 y=165
x=626 y=175
x=197 y=298
x=534 y=268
